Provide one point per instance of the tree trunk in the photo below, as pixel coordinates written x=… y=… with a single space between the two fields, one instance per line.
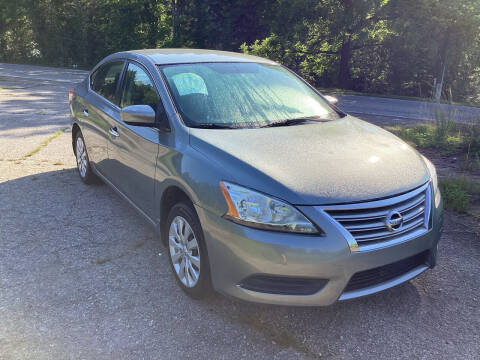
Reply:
x=173 y=20
x=344 y=79
x=442 y=61
x=438 y=90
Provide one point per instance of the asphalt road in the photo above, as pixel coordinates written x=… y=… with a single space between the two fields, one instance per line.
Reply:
x=82 y=276
x=42 y=73
x=405 y=109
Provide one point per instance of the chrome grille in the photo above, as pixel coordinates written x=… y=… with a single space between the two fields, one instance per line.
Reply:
x=367 y=222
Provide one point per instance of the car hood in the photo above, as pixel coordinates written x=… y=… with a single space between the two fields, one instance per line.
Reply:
x=340 y=161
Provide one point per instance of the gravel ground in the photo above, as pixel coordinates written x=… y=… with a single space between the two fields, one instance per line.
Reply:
x=82 y=276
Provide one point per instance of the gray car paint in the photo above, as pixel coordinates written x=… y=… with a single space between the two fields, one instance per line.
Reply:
x=340 y=161
x=184 y=56
x=238 y=251
x=312 y=164
x=91 y=111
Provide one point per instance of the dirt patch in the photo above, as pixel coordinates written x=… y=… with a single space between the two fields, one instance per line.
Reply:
x=449 y=165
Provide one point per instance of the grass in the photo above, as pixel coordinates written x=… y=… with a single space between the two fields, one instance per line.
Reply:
x=37 y=149
x=44 y=144
x=450 y=138
x=458 y=192
x=446 y=136
x=439 y=135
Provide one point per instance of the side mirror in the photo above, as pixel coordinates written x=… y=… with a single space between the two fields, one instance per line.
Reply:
x=138 y=115
x=331 y=99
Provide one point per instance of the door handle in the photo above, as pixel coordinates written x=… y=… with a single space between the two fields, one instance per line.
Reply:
x=85 y=112
x=114 y=132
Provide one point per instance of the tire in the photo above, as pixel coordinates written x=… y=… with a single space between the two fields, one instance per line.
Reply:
x=187 y=252
x=83 y=164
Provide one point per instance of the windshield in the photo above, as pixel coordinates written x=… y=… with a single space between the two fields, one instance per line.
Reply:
x=222 y=95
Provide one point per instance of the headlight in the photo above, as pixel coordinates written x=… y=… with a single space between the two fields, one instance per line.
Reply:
x=434 y=178
x=254 y=209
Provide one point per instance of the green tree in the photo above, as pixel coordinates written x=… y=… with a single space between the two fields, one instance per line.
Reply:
x=384 y=46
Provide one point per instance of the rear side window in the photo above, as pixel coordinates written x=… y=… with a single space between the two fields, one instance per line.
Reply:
x=104 y=80
x=138 y=88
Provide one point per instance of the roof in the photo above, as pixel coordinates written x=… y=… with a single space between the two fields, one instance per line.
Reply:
x=182 y=56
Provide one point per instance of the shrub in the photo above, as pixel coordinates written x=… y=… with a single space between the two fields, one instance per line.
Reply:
x=471 y=146
x=444 y=133
x=457 y=192
x=447 y=136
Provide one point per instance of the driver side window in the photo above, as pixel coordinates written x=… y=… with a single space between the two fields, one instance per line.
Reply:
x=138 y=88
x=105 y=79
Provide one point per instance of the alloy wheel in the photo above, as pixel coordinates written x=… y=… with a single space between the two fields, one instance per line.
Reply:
x=184 y=251
x=81 y=154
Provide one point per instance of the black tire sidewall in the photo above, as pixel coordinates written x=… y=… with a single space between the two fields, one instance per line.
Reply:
x=203 y=287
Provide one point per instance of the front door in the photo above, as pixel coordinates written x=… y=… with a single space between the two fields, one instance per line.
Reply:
x=133 y=149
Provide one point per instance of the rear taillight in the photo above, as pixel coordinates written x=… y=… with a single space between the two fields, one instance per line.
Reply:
x=70 y=96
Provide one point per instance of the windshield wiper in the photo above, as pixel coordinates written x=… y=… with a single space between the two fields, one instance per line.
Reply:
x=295 y=121
x=213 y=126
x=286 y=122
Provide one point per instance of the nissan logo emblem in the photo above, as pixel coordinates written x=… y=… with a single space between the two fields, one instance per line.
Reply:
x=394 y=220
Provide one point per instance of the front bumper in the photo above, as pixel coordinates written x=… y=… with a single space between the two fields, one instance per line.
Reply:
x=238 y=252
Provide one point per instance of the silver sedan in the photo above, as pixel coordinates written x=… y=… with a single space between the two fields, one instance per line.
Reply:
x=259 y=186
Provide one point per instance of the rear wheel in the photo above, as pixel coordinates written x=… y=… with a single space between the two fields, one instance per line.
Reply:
x=187 y=251
x=83 y=164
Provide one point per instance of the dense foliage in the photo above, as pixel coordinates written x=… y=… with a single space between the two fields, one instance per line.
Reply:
x=382 y=46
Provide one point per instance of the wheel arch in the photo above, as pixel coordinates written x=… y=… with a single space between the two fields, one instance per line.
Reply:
x=75 y=130
x=172 y=195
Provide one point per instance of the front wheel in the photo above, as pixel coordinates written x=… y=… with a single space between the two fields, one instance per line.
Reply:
x=187 y=251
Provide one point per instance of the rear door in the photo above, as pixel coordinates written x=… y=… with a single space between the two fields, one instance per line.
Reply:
x=133 y=149
x=98 y=110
